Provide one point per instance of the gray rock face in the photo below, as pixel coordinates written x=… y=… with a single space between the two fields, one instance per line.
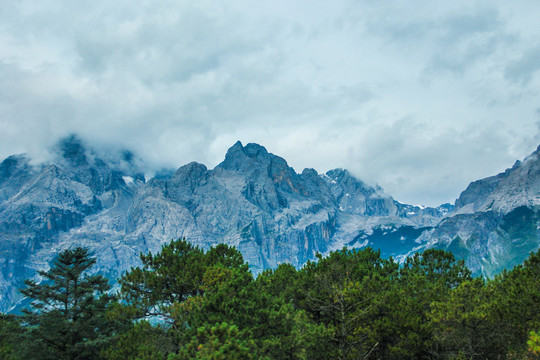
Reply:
x=496 y=220
x=518 y=186
x=252 y=200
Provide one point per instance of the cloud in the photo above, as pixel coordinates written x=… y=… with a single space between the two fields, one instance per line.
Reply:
x=421 y=99
x=524 y=68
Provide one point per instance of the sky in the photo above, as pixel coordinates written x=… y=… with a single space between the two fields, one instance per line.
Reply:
x=420 y=97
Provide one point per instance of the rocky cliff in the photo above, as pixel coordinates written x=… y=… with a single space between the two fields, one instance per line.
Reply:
x=496 y=221
x=252 y=200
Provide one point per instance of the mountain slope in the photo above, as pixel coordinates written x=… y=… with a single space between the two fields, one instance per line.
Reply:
x=252 y=200
x=496 y=220
x=518 y=186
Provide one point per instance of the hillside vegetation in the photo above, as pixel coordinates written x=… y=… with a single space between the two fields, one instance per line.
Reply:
x=185 y=303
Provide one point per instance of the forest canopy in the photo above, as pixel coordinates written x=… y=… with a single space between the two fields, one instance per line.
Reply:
x=186 y=303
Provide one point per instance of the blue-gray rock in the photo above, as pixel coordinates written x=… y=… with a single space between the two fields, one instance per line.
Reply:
x=496 y=221
x=252 y=200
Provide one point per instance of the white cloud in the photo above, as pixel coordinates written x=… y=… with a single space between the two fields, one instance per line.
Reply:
x=420 y=97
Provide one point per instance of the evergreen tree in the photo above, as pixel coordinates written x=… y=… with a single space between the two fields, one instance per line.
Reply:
x=67 y=315
x=218 y=342
x=516 y=303
x=462 y=323
x=340 y=292
x=351 y=304
x=534 y=344
x=142 y=341
x=11 y=335
x=403 y=326
x=172 y=275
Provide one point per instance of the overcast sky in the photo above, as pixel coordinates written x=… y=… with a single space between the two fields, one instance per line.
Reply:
x=420 y=97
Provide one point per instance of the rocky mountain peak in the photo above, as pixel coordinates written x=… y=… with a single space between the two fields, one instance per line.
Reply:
x=240 y=157
x=255 y=151
x=193 y=169
x=338 y=173
x=72 y=150
x=14 y=172
x=515 y=187
x=12 y=165
x=357 y=197
x=310 y=173
x=342 y=176
x=97 y=197
x=191 y=174
x=258 y=165
x=350 y=184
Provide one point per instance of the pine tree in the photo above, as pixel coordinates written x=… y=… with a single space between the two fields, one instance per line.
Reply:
x=67 y=315
x=172 y=275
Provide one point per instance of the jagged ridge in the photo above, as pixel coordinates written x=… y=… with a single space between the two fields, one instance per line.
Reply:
x=252 y=200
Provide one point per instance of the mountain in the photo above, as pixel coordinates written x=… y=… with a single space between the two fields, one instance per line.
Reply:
x=518 y=186
x=496 y=221
x=252 y=200
x=494 y=225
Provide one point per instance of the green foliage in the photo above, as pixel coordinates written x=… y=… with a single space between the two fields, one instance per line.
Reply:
x=405 y=328
x=534 y=343
x=171 y=276
x=340 y=292
x=463 y=322
x=139 y=342
x=11 y=335
x=280 y=282
x=226 y=256
x=218 y=342
x=232 y=296
x=437 y=267
x=516 y=302
x=67 y=319
x=184 y=303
